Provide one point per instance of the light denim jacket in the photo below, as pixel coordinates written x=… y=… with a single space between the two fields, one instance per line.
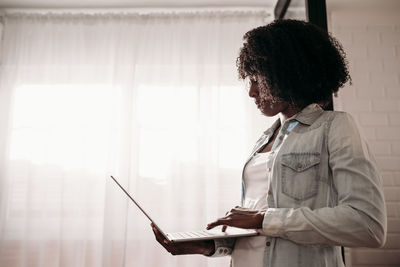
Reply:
x=326 y=193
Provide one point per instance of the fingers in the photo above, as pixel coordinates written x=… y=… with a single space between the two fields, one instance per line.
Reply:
x=163 y=241
x=240 y=210
x=160 y=237
x=173 y=248
x=212 y=225
x=233 y=217
x=221 y=221
x=224 y=220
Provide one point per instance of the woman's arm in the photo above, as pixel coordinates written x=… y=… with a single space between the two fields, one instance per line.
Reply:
x=359 y=219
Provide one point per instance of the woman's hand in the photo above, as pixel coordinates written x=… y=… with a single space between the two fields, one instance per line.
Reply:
x=241 y=218
x=193 y=247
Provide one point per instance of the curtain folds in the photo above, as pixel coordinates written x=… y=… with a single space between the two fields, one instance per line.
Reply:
x=152 y=99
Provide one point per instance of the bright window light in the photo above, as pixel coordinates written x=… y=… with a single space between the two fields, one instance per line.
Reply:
x=62 y=124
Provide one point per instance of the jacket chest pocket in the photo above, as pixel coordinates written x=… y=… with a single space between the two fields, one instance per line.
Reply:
x=300 y=175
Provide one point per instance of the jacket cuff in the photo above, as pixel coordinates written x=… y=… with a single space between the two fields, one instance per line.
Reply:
x=223 y=247
x=274 y=220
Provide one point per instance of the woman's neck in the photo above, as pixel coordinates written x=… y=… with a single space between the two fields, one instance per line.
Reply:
x=288 y=113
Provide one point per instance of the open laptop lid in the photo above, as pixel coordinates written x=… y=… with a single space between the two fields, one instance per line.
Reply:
x=137 y=204
x=208 y=234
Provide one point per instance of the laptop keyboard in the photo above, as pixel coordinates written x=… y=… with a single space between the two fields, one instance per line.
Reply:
x=192 y=234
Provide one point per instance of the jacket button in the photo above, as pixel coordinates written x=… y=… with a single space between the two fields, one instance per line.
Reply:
x=268 y=243
x=299 y=165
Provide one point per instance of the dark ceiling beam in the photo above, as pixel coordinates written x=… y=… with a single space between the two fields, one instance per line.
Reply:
x=316 y=13
x=281 y=8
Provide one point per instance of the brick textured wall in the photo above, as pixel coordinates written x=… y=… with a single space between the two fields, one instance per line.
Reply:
x=370 y=33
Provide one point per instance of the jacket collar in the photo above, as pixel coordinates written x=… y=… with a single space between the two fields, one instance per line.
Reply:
x=272 y=129
x=309 y=114
x=306 y=116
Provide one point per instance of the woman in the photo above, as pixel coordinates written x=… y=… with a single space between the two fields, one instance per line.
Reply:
x=311 y=184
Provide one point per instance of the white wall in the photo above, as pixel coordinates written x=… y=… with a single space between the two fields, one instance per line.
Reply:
x=370 y=33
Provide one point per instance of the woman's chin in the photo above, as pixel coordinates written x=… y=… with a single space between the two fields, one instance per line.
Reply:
x=268 y=113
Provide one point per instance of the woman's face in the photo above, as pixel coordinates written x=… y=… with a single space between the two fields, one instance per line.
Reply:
x=263 y=100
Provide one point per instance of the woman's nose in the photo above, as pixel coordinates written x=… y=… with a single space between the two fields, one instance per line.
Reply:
x=253 y=92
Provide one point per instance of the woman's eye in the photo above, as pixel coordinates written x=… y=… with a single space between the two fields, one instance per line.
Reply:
x=250 y=81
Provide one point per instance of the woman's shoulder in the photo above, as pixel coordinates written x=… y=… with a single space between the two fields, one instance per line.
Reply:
x=342 y=123
x=337 y=116
x=336 y=121
x=341 y=117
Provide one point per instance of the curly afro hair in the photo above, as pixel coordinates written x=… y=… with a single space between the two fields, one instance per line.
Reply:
x=293 y=61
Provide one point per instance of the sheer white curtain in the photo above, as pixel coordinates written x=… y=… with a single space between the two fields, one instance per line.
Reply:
x=150 y=98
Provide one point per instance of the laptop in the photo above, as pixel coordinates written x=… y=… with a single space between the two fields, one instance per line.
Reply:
x=214 y=233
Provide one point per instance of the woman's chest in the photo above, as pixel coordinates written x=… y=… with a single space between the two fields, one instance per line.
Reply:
x=300 y=171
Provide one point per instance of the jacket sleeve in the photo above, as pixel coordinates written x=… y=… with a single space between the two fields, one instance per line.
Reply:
x=359 y=219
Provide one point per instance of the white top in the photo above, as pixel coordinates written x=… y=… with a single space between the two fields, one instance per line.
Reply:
x=249 y=251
